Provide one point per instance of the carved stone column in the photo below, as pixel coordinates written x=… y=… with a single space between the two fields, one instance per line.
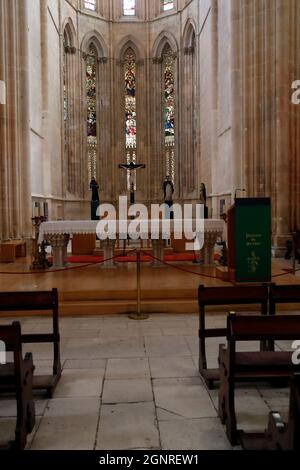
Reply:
x=158 y=252
x=109 y=253
x=59 y=244
x=15 y=206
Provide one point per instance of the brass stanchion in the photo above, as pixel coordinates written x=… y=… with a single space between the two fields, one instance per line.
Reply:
x=138 y=315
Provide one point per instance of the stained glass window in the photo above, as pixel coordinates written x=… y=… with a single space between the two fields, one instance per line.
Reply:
x=91 y=95
x=90 y=5
x=169 y=110
x=129 y=7
x=130 y=111
x=168 y=5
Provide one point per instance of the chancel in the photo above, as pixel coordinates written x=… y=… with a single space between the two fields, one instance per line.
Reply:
x=118 y=118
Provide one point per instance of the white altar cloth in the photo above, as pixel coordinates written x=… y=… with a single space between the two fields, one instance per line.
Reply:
x=207 y=232
x=72 y=227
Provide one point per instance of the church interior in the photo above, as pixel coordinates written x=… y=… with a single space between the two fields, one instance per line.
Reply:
x=122 y=343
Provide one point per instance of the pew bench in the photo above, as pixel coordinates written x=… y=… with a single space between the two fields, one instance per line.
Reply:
x=11 y=250
x=225 y=296
x=254 y=366
x=279 y=435
x=38 y=301
x=17 y=376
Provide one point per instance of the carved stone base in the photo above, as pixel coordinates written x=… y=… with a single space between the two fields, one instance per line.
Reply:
x=279 y=248
x=59 y=245
x=108 y=247
x=158 y=252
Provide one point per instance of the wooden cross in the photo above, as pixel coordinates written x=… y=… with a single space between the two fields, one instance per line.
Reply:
x=132 y=167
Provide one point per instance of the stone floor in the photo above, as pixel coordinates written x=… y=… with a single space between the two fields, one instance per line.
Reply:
x=134 y=385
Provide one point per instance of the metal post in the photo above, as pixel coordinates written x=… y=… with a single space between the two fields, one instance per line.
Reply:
x=138 y=315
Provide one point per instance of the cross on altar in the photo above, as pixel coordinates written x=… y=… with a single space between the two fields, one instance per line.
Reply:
x=132 y=167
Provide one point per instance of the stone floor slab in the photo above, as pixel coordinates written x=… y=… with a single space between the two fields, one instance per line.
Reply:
x=68 y=424
x=134 y=368
x=128 y=426
x=186 y=398
x=127 y=391
x=172 y=367
x=80 y=383
x=166 y=346
x=193 y=434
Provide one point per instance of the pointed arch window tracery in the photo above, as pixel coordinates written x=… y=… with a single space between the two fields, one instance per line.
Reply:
x=91 y=102
x=130 y=65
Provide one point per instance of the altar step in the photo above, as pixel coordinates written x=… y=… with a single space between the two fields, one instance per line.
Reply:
x=118 y=307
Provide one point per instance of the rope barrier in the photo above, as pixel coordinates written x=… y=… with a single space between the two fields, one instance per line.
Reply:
x=292 y=271
x=60 y=270
x=179 y=268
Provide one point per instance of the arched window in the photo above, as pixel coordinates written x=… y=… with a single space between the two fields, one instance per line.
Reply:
x=169 y=110
x=90 y=5
x=129 y=7
x=168 y=5
x=91 y=97
x=130 y=110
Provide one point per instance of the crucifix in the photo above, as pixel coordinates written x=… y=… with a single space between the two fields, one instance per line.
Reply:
x=132 y=167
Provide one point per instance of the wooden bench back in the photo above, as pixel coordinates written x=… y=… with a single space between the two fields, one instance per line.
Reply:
x=11 y=336
x=285 y=294
x=26 y=301
x=233 y=295
x=254 y=328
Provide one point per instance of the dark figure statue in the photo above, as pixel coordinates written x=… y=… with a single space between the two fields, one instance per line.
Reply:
x=203 y=199
x=293 y=245
x=168 y=193
x=94 y=186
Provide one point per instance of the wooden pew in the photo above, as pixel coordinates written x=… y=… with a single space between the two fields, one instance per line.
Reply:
x=222 y=296
x=253 y=366
x=279 y=435
x=286 y=436
x=17 y=376
x=38 y=301
x=289 y=294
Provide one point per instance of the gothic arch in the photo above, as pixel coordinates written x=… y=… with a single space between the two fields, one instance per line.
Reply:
x=126 y=43
x=94 y=38
x=69 y=32
x=161 y=41
x=189 y=34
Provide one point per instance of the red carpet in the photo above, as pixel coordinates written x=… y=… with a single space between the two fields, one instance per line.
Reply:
x=130 y=259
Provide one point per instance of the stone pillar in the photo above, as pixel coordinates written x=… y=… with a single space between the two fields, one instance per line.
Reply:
x=283 y=86
x=187 y=163
x=15 y=206
x=236 y=97
x=157 y=165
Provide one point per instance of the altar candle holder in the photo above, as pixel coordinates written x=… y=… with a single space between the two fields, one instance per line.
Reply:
x=39 y=255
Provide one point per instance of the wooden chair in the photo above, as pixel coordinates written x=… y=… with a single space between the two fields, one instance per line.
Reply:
x=17 y=377
x=222 y=296
x=38 y=301
x=253 y=366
